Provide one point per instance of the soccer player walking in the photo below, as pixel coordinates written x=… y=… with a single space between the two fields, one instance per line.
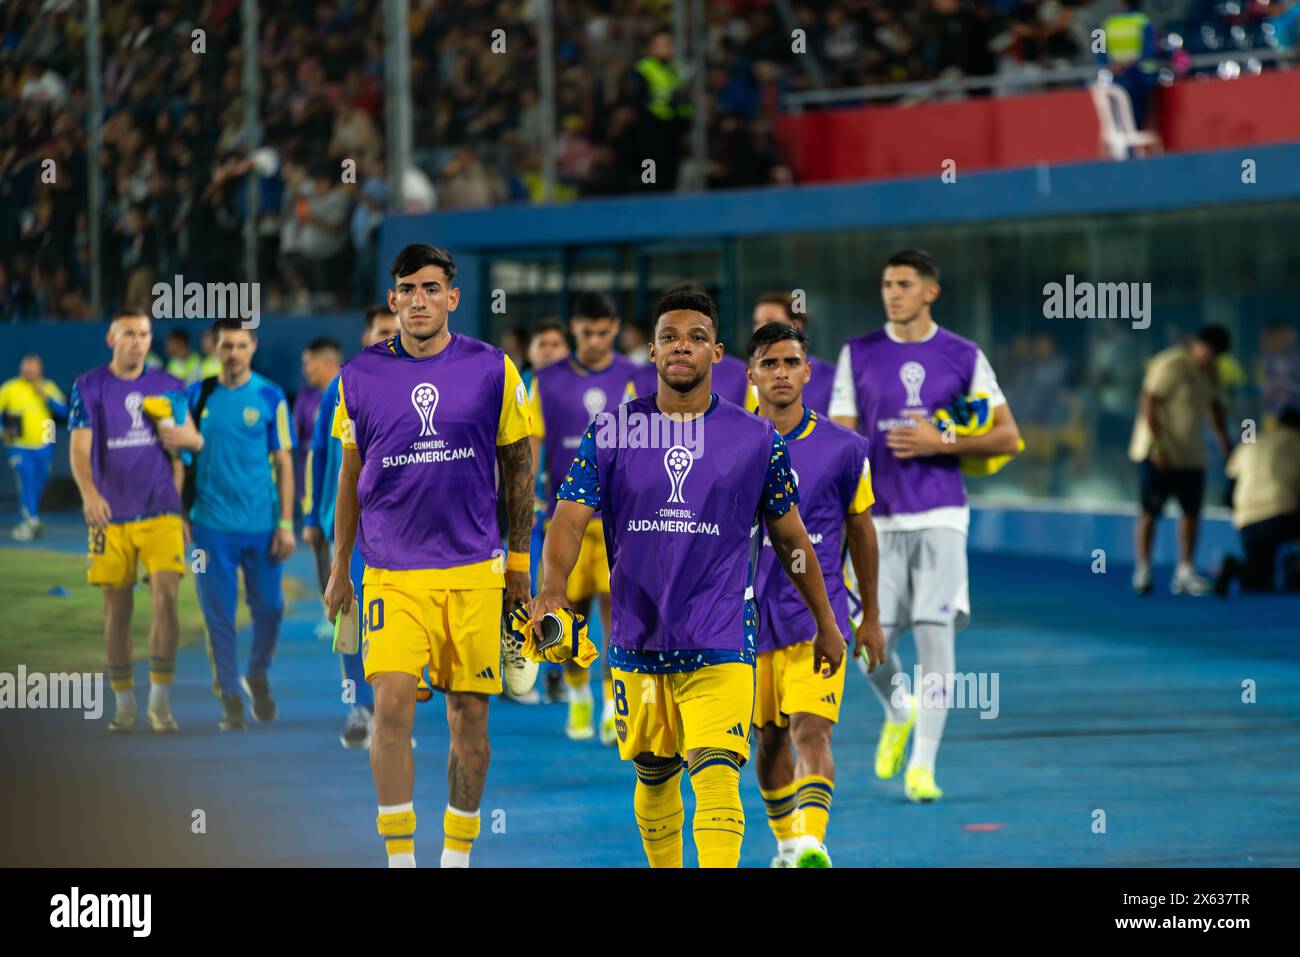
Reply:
x=888 y=385
x=130 y=494
x=681 y=527
x=564 y=398
x=242 y=517
x=423 y=418
x=795 y=706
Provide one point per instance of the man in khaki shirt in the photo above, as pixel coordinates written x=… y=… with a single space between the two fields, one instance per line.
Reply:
x=1179 y=393
x=1265 y=503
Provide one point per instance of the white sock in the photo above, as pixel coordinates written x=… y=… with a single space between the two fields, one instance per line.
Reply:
x=401 y=860
x=160 y=696
x=786 y=848
x=578 y=695
x=125 y=699
x=936 y=650
x=452 y=858
x=882 y=679
x=1185 y=570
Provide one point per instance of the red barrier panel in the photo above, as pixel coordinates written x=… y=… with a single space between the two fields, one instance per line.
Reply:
x=1214 y=114
x=984 y=133
x=878 y=142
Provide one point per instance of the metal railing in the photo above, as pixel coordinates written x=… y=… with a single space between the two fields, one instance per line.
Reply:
x=919 y=91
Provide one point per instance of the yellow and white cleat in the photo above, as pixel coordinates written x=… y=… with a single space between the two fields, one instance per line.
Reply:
x=920 y=787
x=125 y=719
x=892 y=747
x=161 y=720
x=580 y=726
x=608 y=730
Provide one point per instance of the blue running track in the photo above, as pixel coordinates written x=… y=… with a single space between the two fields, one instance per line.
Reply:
x=1107 y=702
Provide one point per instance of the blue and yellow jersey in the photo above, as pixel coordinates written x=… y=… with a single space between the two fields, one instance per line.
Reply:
x=29 y=409
x=235 y=488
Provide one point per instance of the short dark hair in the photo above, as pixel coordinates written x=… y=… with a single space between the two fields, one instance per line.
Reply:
x=179 y=335
x=918 y=259
x=416 y=256
x=324 y=344
x=1216 y=337
x=593 y=305
x=786 y=301
x=769 y=335
x=230 y=324
x=689 y=298
x=549 y=325
x=374 y=312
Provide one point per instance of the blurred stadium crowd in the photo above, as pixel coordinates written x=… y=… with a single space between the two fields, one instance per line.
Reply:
x=175 y=155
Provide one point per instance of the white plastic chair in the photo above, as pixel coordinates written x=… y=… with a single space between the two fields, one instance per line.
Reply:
x=1119 y=133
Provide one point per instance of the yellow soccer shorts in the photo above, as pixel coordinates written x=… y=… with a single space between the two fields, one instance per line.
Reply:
x=117 y=551
x=590 y=576
x=406 y=625
x=669 y=715
x=787 y=684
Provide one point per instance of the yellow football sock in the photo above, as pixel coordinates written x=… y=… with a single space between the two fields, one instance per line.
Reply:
x=459 y=828
x=813 y=805
x=396 y=824
x=119 y=677
x=162 y=670
x=659 y=811
x=780 y=803
x=719 y=816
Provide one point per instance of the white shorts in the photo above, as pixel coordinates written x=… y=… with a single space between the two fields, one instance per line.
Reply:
x=923 y=578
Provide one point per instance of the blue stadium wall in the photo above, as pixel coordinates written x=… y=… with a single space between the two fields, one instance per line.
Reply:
x=474 y=237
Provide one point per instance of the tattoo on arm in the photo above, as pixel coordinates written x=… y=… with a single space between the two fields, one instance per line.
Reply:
x=517 y=463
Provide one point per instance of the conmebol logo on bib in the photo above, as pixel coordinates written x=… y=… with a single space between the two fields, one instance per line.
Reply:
x=593 y=400
x=425 y=399
x=134 y=403
x=677 y=462
x=913 y=375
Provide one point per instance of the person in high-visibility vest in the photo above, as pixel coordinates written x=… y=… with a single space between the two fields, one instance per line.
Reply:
x=1129 y=51
x=182 y=361
x=655 y=90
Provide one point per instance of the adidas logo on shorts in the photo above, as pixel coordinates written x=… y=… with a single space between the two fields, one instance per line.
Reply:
x=830 y=698
x=486 y=673
x=737 y=730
